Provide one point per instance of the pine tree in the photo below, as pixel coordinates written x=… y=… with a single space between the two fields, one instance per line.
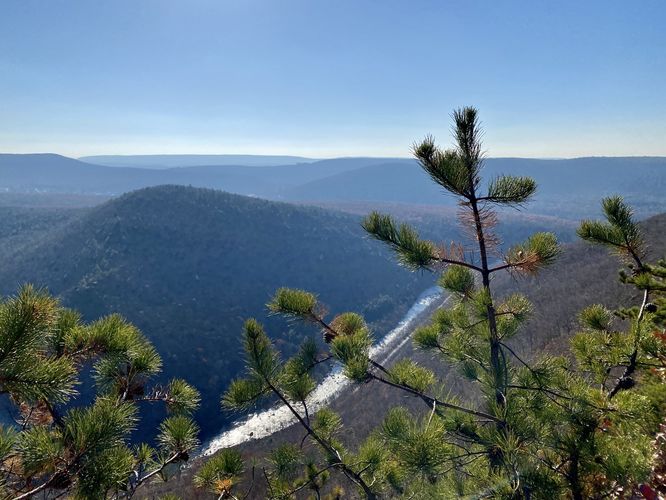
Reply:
x=538 y=428
x=611 y=447
x=83 y=450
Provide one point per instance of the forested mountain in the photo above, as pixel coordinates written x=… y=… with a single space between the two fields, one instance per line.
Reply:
x=189 y=265
x=23 y=228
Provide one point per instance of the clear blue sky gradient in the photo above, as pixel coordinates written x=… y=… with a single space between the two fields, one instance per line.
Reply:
x=331 y=78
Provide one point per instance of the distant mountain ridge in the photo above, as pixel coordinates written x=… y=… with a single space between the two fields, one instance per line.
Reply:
x=193 y=160
x=29 y=173
x=580 y=180
x=567 y=188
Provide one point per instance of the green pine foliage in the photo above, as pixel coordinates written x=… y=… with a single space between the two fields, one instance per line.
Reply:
x=220 y=472
x=84 y=451
x=545 y=427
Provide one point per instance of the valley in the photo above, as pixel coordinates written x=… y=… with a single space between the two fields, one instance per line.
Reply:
x=188 y=265
x=591 y=271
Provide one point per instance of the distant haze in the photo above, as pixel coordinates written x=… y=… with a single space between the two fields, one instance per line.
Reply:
x=170 y=161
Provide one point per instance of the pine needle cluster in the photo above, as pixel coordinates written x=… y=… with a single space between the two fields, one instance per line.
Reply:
x=60 y=448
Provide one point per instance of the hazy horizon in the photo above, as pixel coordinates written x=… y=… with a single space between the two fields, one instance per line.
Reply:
x=86 y=157
x=313 y=158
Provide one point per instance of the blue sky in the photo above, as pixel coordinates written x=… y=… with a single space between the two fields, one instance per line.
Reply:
x=331 y=78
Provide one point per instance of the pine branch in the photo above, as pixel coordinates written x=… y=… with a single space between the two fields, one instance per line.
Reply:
x=619 y=232
x=428 y=399
x=510 y=190
x=446 y=168
x=465 y=355
x=38 y=489
x=173 y=458
x=431 y=400
x=536 y=376
x=252 y=346
x=312 y=478
x=459 y=263
x=405 y=242
x=353 y=476
x=538 y=251
x=625 y=381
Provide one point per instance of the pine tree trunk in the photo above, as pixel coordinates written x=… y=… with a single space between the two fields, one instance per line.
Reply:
x=496 y=361
x=574 y=479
